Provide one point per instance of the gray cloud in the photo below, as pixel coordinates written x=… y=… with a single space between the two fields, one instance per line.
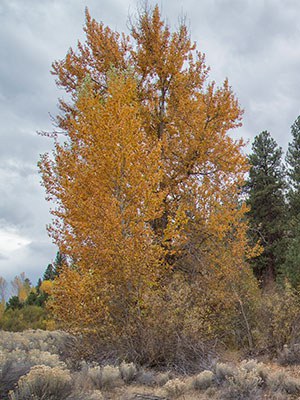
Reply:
x=253 y=43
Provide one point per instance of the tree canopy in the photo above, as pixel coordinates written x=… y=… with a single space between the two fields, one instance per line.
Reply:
x=147 y=180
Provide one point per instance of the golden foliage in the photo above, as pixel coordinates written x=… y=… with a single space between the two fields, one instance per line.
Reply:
x=21 y=286
x=147 y=180
x=46 y=287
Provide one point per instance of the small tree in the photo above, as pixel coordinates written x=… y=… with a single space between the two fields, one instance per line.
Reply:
x=3 y=286
x=49 y=274
x=21 y=286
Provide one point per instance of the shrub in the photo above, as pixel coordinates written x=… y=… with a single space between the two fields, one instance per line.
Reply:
x=27 y=317
x=278 y=320
x=281 y=381
x=22 y=350
x=55 y=342
x=43 y=383
x=146 y=378
x=203 y=380
x=175 y=388
x=63 y=345
x=18 y=362
x=289 y=355
x=243 y=382
x=105 y=377
x=10 y=373
x=224 y=371
x=243 y=385
x=128 y=371
x=162 y=378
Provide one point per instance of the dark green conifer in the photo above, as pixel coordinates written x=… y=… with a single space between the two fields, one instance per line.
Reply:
x=266 y=185
x=291 y=268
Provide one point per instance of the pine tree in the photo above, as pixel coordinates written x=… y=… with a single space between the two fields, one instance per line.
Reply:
x=49 y=274
x=291 y=268
x=293 y=171
x=266 y=198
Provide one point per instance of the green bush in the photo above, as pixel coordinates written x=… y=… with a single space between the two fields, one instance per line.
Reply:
x=27 y=317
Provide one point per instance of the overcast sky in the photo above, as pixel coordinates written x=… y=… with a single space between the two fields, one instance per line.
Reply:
x=255 y=43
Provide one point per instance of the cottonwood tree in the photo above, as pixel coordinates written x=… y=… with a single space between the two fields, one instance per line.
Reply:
x=147 y=179
x=3 y=288
x=21 y=286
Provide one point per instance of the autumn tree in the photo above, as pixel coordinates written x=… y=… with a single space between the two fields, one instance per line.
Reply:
x=267 y=214
x=21 y=286
x=3 y=287
x=146 y=182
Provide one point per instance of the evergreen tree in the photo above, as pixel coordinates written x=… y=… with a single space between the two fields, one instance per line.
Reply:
x=267 y=205
x=59 y=262
x=293 y=170
x=53 y=270
x=14 y=303
x=49 y=274
x=291 y=267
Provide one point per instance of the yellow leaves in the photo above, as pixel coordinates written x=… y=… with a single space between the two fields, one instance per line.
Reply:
x=2 y=308
x=148 y=178
x=46 y=287
x=107 y=188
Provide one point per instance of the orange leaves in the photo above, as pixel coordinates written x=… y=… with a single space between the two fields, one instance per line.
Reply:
x=106 y=181
x=148 y=175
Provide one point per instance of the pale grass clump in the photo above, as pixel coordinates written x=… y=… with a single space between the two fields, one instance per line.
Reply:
x=37 y=357
x=146 y=378
x=175 y=388
x=258 y=368
x=250 y=379
x=162 y=378
x=31 y=358
x=54 y=342
x=105 y=377
x=224 y=371
x=243 y=385
x=43 y=382
x=246 y=381
x=203 y=380
x=281 y=381
x=128 y=371
x=14 y=364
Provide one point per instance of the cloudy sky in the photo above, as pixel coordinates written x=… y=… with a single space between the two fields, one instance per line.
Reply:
x=255 y=43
